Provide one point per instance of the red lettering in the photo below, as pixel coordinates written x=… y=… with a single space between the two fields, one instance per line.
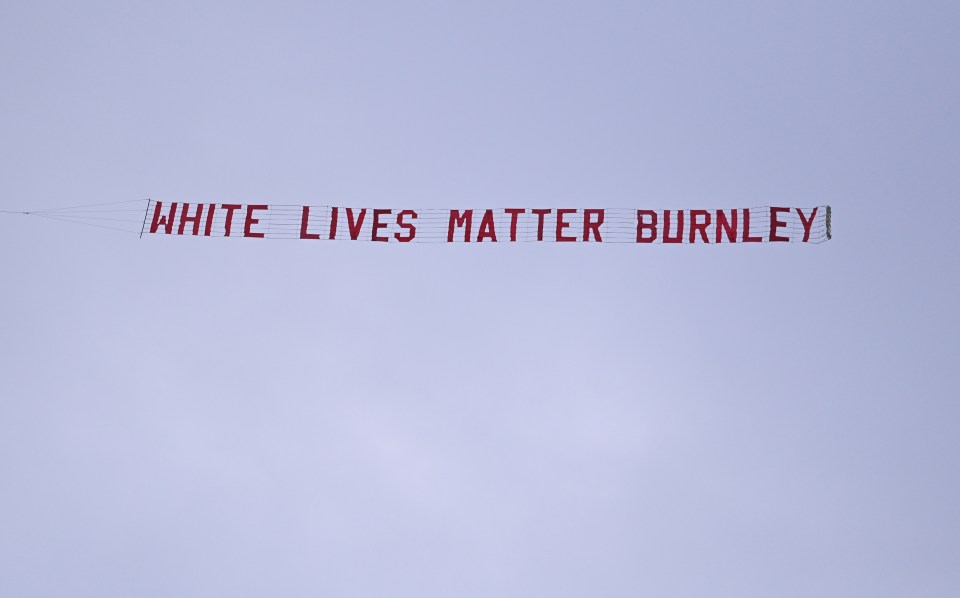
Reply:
x=514 y=214
x=409 y=227
x=666 y=227
x=377 y=225
x=642 y=226
x=228 y=221
x=728 y=227
x=250 y=220
x=458 y=219
x=589 y=224
x=165 y=221
x=746 y=229
x=540 y=214
x=209 y=226
x=700 y=227
x=304 y=220
x=195 y=219
x=562 y=225
x=333 y=223
x=355 y=225
x=807 y=223
x=487 y=230
x=776 y=223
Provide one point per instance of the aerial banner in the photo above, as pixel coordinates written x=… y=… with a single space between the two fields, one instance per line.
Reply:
x=769 y=224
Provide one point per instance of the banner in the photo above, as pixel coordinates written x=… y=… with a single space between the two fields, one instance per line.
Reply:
x=769 y=224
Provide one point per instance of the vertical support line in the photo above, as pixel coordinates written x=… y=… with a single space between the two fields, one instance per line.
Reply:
x=145 y=213
x=829 y=218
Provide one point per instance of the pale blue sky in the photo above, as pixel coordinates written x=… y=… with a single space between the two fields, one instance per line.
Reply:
x=212 y=417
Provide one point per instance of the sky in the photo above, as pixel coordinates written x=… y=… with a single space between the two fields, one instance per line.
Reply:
x=243 y=417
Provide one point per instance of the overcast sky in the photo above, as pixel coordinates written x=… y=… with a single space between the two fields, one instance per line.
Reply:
x=241 y=417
